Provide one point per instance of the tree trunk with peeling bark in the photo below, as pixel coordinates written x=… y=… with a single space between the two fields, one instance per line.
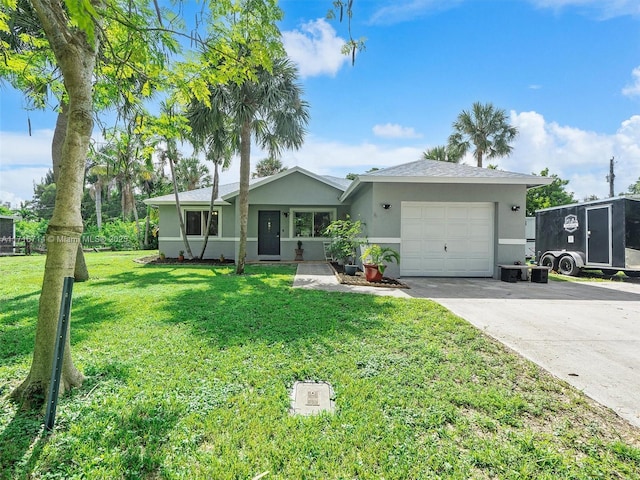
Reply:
x=214 y=195
x=76 y=58
x=80 y=273
x=183 y=230
x=243 y=194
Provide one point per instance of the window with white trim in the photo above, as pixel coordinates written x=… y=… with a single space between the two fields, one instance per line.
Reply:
x=311 y=223
x=196 y=222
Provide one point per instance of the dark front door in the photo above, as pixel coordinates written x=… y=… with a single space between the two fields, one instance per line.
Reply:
x=268 y=232
x=599 y=235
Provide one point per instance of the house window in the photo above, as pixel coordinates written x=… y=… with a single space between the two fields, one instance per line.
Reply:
x=311 y=223
x=196 y=222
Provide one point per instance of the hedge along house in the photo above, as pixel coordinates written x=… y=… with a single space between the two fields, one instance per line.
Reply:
x=445 y=219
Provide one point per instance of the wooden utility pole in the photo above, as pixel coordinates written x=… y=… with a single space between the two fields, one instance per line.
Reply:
x=610 y=178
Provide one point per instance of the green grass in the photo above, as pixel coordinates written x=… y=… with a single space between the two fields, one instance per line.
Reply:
x=189 y=370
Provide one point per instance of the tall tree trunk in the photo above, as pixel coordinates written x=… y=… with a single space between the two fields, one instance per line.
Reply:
x=98 y=200
x=214 y=195
x=147 y=226
x=479 y=158
x=81 y=273
x=243 y=196
x=76 y=58
x=180 y=219
x=137 y=222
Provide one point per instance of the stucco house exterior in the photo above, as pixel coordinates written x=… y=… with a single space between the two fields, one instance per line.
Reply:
x=445 y=219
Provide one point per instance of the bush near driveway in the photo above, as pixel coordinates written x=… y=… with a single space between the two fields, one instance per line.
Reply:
x=189 y=370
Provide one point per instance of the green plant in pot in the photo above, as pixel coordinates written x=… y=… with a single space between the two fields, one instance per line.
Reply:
x=375 y=259
x=344 y=241
x=299 y=251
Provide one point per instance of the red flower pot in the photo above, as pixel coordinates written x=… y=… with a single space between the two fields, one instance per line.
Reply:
x=372 y=273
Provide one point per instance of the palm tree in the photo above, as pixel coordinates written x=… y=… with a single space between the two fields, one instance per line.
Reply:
x=270 y=109
x=211 y=131
x=268 y=166
x=486 y=129
x=443 y=154
x=191 y=174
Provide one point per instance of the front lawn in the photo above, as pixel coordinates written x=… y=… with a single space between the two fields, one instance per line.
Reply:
x=189 y=370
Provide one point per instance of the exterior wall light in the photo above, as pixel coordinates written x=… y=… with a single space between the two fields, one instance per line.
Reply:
x=386 y=206
x=515 y=208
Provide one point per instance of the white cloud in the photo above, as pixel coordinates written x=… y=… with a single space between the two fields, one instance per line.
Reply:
x=326 y=157
x=315 y=48
x=393 y=130
x=633 y=89
x=406 y=10
x=22 y=149
x=603 y=8
x=23 y=160
x=580 y=156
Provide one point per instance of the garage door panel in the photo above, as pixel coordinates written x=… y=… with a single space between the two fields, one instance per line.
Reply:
x=414 y=230
x=432 y=212
x=457 y=230
x=410 y=212
x=457 y=213
x=466 y=229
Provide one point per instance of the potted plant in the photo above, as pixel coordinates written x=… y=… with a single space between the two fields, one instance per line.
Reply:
x=162 y=256
x=299 y=251
x=344 y=241
x=375 y=259
x=181 y=256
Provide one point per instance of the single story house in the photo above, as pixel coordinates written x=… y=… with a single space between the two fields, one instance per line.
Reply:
x=445 y=219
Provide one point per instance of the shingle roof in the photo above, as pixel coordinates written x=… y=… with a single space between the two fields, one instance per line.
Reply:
x=420 y=171
x=433 y=171
x=201 y=195
x=434 y=168
x=226 y=191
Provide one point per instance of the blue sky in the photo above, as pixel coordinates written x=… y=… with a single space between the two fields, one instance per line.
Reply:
x=566 y=71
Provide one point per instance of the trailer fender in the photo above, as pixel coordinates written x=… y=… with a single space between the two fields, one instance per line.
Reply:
x=552 y=259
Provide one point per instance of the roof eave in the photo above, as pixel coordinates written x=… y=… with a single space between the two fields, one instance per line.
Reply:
x=155 y=203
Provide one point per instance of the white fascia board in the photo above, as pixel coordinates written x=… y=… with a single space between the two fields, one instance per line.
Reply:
x=354 y=186
x=155 y=203
x=526 y=180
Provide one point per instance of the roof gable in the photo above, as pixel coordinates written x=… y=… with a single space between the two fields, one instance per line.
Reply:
x=231 y=190
x=331 y=181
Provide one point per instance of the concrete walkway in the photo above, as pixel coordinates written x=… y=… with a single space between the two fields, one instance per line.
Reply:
x=585 y=333
x=320 y=276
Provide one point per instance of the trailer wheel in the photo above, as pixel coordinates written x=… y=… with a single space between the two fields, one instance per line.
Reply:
x=567 y=266
x=549 y=261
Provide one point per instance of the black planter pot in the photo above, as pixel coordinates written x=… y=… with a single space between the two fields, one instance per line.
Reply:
x=350 y=269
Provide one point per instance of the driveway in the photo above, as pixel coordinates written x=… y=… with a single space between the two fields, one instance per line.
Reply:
x=586 y=333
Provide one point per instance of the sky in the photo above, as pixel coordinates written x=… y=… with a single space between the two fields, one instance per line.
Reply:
x=566 y=72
